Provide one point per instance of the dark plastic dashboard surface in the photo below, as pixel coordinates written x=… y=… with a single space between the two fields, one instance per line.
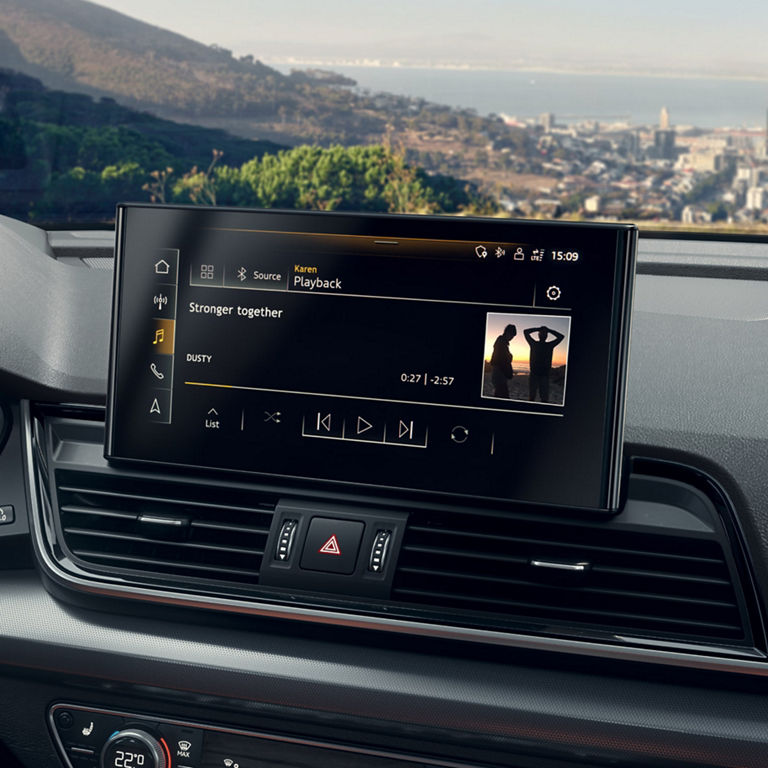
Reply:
x=698 y=369
x=575 y=713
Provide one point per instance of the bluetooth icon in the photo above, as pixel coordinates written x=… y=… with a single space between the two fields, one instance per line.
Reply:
x=241 y=274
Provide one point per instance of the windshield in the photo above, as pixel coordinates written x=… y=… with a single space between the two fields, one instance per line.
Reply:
x=653 y=112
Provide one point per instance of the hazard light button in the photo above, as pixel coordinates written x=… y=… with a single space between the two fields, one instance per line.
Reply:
x=332 y=545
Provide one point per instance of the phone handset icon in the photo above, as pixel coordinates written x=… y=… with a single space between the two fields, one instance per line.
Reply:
x=158 y=374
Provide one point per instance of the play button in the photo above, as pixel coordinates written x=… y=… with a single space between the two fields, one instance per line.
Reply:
x=363 y=425
x=367 y=429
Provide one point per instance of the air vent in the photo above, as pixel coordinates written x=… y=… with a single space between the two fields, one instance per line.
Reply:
x=667 y=573
x=566 y=576
x=160 y=527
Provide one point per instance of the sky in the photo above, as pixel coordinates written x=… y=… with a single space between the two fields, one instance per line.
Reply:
x=497 y=321
x=674 y=36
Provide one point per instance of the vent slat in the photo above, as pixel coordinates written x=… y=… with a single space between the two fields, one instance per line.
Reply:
x=233 y=528
x=703 y=580
x=518 y=560
x=581 y=546
x=469 y=553
x=163 y=500
x=583 y=590
x=158 y=563
x=676 y=622
x=134 y=538
x=73 y=509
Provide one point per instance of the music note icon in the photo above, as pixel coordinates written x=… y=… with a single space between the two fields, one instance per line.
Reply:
x=159 y=336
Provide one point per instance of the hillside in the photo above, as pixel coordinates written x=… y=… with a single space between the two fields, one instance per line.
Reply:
x=44 y=134
x=66 y=157
x=27 y=99
x=79 y=46
x=110 y=53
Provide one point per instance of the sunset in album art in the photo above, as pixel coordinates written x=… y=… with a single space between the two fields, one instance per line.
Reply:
x=519 y=346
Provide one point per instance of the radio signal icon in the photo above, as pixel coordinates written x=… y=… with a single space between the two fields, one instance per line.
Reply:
x=160 y=300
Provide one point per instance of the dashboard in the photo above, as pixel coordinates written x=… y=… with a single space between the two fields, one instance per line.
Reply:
x=140 y=610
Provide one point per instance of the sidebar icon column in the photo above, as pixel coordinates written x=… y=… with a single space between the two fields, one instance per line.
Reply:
x=161 y=339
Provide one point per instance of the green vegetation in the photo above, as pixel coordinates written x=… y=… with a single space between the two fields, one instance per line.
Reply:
x=337 y=178
x=65 y=157
x=370 y=178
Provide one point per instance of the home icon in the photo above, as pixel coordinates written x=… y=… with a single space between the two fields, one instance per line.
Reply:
x=162 y=267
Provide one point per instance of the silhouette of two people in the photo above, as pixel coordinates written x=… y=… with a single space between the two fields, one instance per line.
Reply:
x=540 y=360
x=501 y=362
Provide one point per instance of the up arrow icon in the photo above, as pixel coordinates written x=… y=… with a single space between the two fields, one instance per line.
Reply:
x=155 y=407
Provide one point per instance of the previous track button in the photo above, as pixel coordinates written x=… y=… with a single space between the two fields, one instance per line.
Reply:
x=328 y=424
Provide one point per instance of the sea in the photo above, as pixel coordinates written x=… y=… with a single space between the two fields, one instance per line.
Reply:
x=637 y=99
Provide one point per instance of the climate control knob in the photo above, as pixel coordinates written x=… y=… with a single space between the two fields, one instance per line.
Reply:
x=133 y=748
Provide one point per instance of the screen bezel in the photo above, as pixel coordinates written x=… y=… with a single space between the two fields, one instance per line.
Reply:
x=404 y=224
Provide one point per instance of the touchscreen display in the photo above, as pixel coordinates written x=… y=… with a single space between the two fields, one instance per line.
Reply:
x=480 y=358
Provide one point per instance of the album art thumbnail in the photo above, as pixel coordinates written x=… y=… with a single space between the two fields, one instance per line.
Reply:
x=526 y=357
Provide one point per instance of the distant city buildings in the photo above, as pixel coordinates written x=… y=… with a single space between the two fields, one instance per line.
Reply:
x=591 y=169
x=755 y=199
x=765 y=144
x=547 y=121
x=663 y=172
x=592 y=204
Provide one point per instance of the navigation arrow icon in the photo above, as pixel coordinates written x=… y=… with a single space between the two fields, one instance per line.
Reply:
x=363 y=425
x=155 y=407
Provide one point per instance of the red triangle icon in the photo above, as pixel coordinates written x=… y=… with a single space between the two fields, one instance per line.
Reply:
x=331 y=547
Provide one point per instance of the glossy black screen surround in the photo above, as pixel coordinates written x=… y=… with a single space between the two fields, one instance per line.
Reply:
x=374 y=350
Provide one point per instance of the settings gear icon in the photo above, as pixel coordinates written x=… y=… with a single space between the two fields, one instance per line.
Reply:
x=553 y=293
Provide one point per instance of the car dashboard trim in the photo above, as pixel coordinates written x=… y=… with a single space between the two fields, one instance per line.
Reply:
x=751 y=662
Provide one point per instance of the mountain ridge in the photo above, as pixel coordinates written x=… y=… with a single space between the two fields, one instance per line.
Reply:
x=76 y=45
x=109 y=53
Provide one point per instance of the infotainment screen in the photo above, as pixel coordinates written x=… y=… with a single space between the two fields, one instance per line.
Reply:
x=480 y=358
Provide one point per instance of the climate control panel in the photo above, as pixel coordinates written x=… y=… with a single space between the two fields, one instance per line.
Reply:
x=89 y=737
